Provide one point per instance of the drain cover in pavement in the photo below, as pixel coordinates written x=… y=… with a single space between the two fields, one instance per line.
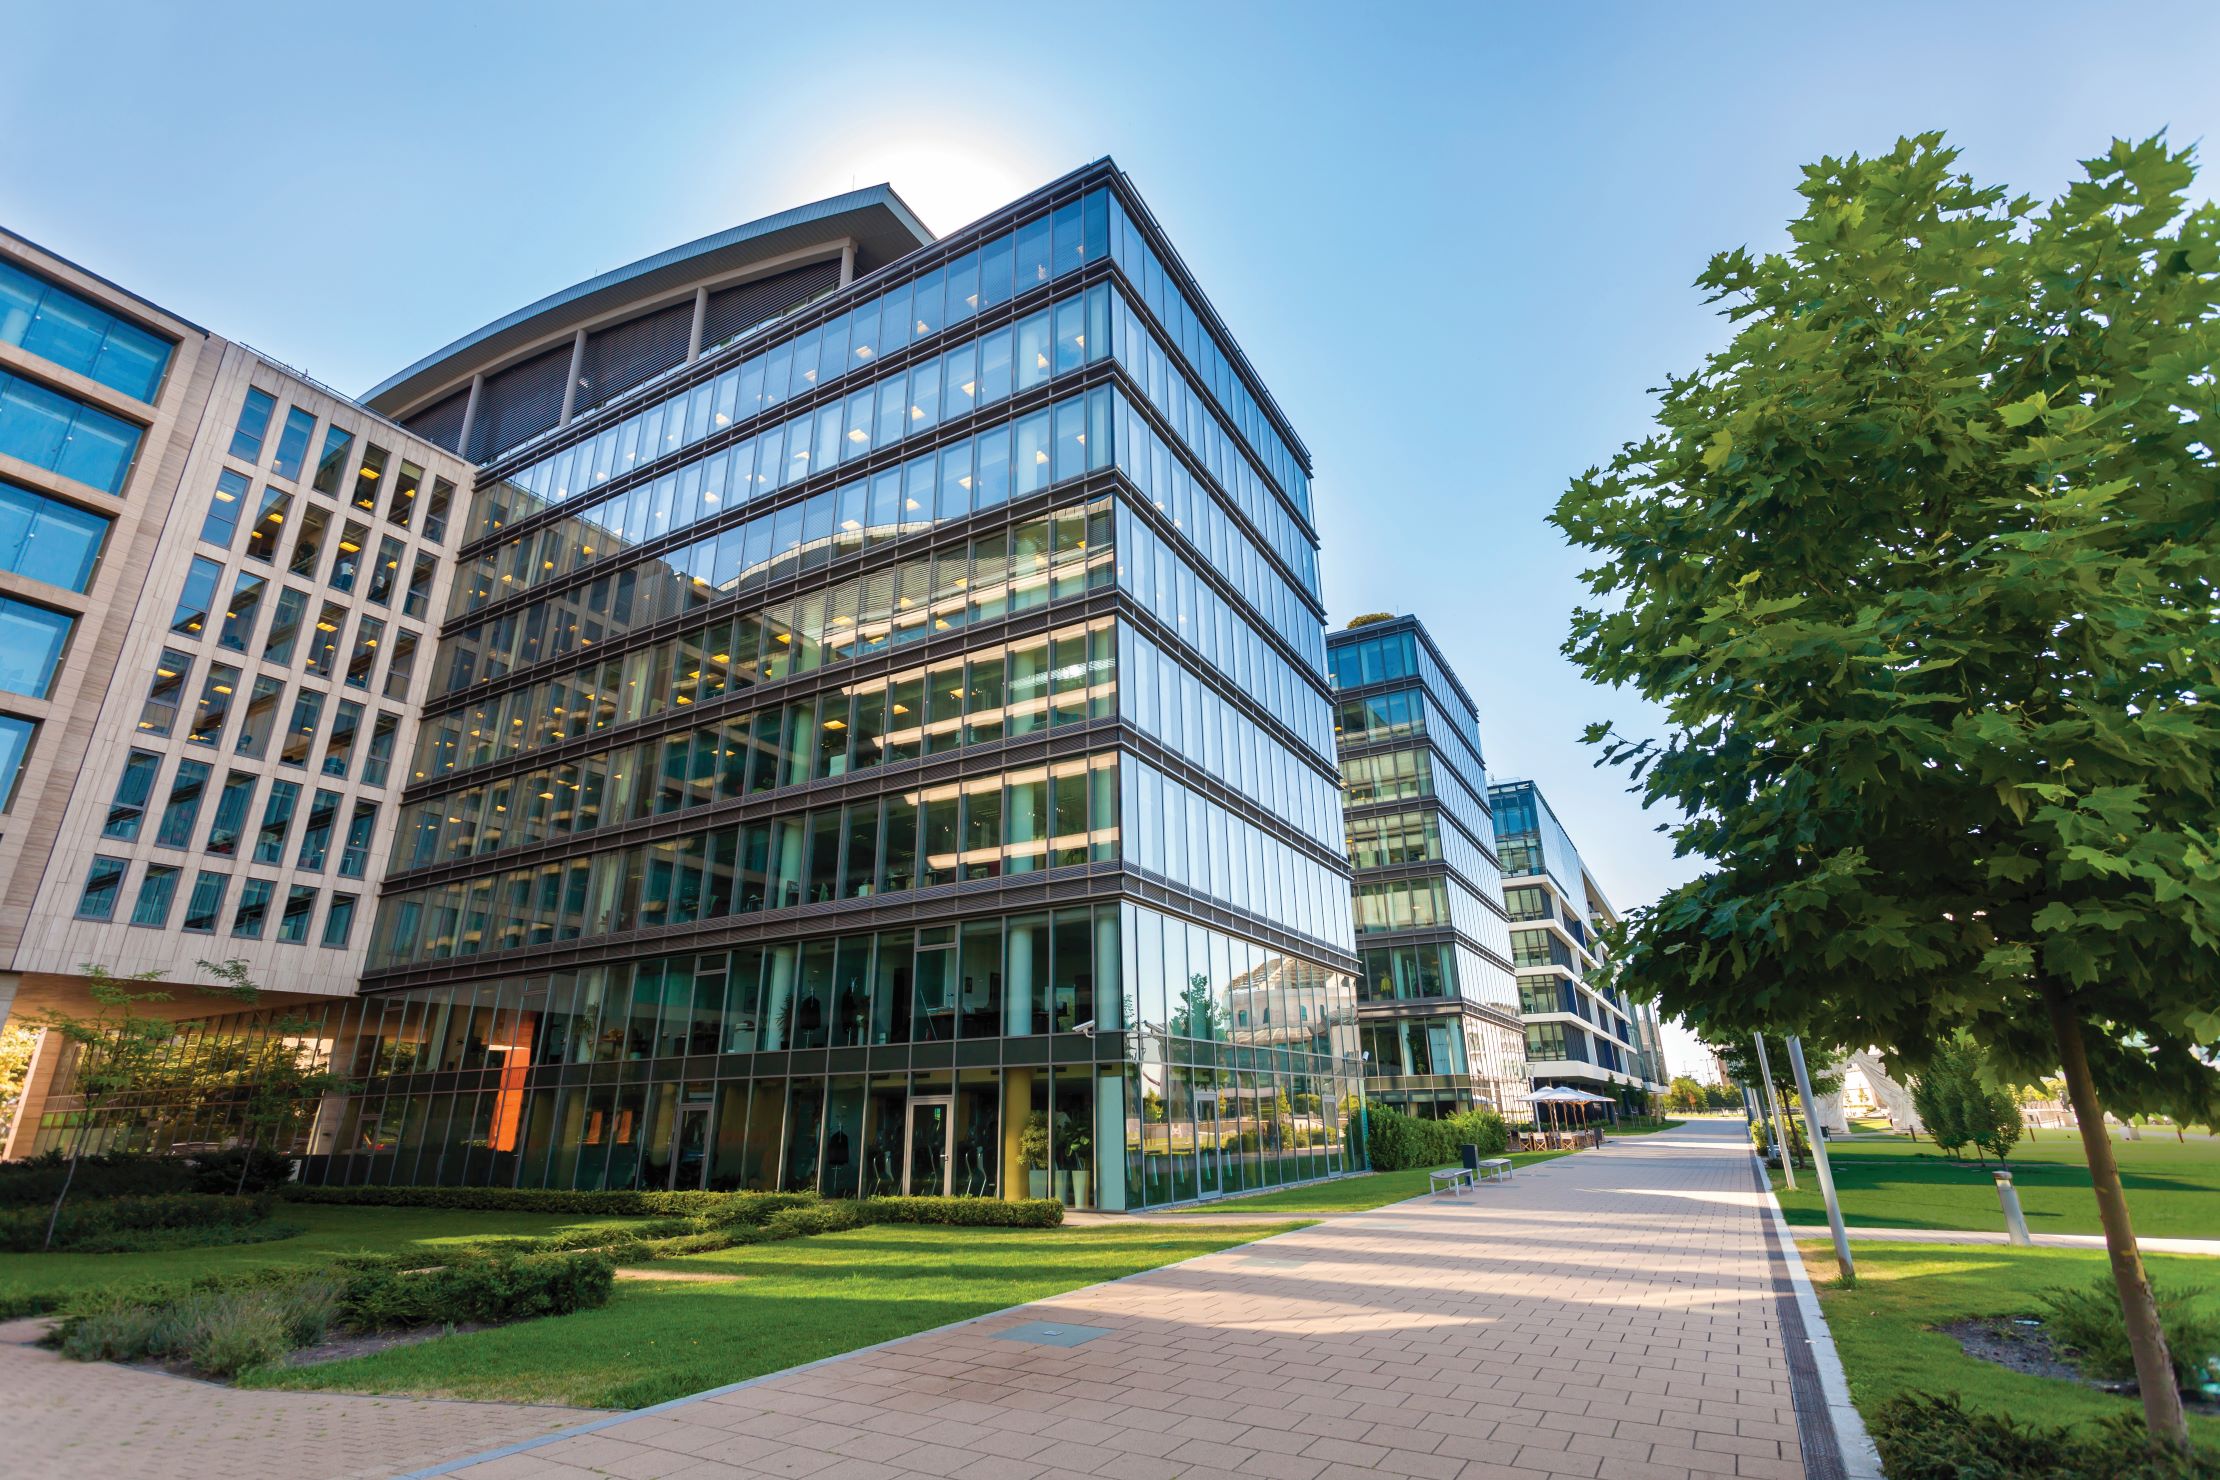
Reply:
x=1044 y=1333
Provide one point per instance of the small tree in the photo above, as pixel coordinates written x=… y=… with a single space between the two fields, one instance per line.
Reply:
x=1685 y=1094
x=1960 y=1103
x=1922 y=566
x=118 y=1050
x=280 y=1078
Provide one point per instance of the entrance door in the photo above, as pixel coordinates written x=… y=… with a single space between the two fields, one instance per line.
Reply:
x=690 y=1148
x=928 y=1147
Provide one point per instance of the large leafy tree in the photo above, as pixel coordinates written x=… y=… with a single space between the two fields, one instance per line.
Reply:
x=1922 y=568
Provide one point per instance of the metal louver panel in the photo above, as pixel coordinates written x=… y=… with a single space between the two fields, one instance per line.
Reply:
x=519 y=402
x=735 y=310
x=441 y=422
x=621 y=356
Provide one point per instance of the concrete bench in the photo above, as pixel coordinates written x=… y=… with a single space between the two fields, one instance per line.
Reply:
x=1494 y=1168
x=1454 y=1179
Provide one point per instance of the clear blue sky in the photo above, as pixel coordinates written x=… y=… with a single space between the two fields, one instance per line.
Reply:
x=1456 y=240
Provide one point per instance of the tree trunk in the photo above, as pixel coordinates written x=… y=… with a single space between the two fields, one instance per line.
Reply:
x=2154 y=1368
x=77 y=1149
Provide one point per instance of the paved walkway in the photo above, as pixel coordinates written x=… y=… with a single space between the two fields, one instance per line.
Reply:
x=64 y=1420
x=1608 y=1315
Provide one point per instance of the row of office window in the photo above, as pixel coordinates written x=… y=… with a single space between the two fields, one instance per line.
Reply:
x=999 y=693
x=1034 y=253
x=1171 y=702
x=908 y=403
x=1159 y=578
x=1410 y=714
x=1063 y=553
x=258 y=711
x=1435 y=903
x=854 y=341
x=313 y=539
x=318 y=643
x=611 y=605
x=1179 y=834
x=970 y=475
x=338 y=475
x=1043 y=817
x=227 y=835
x=258 y=914
x=58 y=325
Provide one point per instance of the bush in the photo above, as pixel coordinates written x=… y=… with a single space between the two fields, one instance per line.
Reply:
x=36 y=1180
x=192 y=1236
x=743 y=1207
x=2087 y=1323
x=487 y=1288
x=1931 y=1438
x=218 y=1171
x=23 y=1229
x=965 y=1212
x=1399 y=1141
x=831 y=1217
x=218 y=1332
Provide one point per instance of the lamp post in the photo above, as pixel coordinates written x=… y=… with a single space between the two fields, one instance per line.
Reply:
x=1777 y=1115
x=1820 y=1164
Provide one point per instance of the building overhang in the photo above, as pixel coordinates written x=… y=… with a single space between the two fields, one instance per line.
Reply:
x=875 y=222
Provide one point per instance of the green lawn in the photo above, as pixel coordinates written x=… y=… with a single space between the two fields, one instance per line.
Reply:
x=328 y=1231
x=2173 y=1187
x=1884 y=1327
x=1345 y=1194
x=786 y=1303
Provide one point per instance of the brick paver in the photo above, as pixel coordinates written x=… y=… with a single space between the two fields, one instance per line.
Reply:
x=1606 y=1315
x=63 y=1420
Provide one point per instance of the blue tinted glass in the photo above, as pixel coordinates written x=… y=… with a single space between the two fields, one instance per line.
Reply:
x=31 y=639
x=48 y=540
x=15 y=745
x=51 y=431
x=55 y=324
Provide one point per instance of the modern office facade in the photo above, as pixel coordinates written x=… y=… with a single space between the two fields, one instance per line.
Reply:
x=222 y=587
x=1437 y=1002
x=1582 y=1032
x=878 y=739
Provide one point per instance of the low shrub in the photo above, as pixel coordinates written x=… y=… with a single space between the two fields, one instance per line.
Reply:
x=35 y=1181
x=965 y=1212
x=2087 y=1323
x=745 y=1207
x=829 y=1217
x=23 y=1229
x=488 y=1288
x=218 y=1332
x=1935 y=1438
x=191 y=1236
x=1399 y=1141
x=218 y=1171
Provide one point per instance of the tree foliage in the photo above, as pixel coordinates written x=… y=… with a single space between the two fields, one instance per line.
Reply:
x=1923 y=568
x=1960 y=1103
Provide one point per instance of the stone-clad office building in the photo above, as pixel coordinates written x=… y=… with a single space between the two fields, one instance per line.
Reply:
x=878 y=739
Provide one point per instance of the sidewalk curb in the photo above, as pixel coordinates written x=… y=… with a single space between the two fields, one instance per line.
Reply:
x=1860 y=1460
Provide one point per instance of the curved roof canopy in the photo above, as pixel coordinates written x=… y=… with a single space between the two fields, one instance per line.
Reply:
x=875 y=219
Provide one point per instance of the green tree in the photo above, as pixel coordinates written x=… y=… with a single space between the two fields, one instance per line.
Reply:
x=1922 y=567
x=119 y=1047
x=1685 y=1094
x=18 y=1042
x=1960 y=1103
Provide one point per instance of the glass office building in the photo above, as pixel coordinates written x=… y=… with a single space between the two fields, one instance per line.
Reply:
x=1437 y=1004
x=1582 y=1032
x=879 y=742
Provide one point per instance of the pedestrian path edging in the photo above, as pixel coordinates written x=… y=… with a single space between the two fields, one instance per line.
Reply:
x=1860 y=1460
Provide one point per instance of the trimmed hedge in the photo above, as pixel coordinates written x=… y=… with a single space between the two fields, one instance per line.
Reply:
x=36 y=1181
x=965 y=1212
x=739 y=1207
x=1399 y=1141
x=1930 y=1438
x=108 y=1221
